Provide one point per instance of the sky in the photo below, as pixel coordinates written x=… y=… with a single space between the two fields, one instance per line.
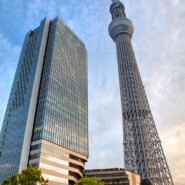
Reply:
x=159 y=45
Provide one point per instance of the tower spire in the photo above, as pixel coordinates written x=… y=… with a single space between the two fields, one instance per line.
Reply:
x=117 y=9
x=114 y=1
x=143 y=151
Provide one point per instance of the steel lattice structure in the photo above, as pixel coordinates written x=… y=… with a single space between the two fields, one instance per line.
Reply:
x=143 y=151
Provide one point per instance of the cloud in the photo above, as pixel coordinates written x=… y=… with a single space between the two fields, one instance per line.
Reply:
x=105 y=146
x=159 y=44
x=173 y=141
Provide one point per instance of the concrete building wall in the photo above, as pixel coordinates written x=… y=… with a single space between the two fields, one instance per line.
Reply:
x=134 y=179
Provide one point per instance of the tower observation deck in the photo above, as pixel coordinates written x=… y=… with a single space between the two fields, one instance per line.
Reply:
x=143 y=152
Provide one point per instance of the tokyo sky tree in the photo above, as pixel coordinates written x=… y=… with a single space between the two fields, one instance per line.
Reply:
x=143 y=152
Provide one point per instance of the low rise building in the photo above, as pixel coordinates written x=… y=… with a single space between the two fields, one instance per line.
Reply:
x=114 y=176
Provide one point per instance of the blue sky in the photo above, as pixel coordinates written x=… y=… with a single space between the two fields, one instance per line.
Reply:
x=159 y=44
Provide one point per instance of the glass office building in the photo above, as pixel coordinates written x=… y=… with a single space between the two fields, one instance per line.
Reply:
x=46 y=121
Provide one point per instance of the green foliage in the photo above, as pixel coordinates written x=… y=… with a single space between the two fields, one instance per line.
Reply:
x=90 y=181
x=29 y=176
x=13 y=180
x=145 y=182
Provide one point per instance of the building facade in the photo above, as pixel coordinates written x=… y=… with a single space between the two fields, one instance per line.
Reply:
x=46 y=120
x=114 y=176
x=143 y=151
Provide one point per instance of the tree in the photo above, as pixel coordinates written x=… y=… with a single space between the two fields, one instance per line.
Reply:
x=29 y=176
x=13 y=180
x=145 y=182
x=90 y=181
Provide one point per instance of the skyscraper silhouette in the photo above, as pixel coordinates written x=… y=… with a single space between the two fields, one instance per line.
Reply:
x=143 y=151
x=46 y=120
